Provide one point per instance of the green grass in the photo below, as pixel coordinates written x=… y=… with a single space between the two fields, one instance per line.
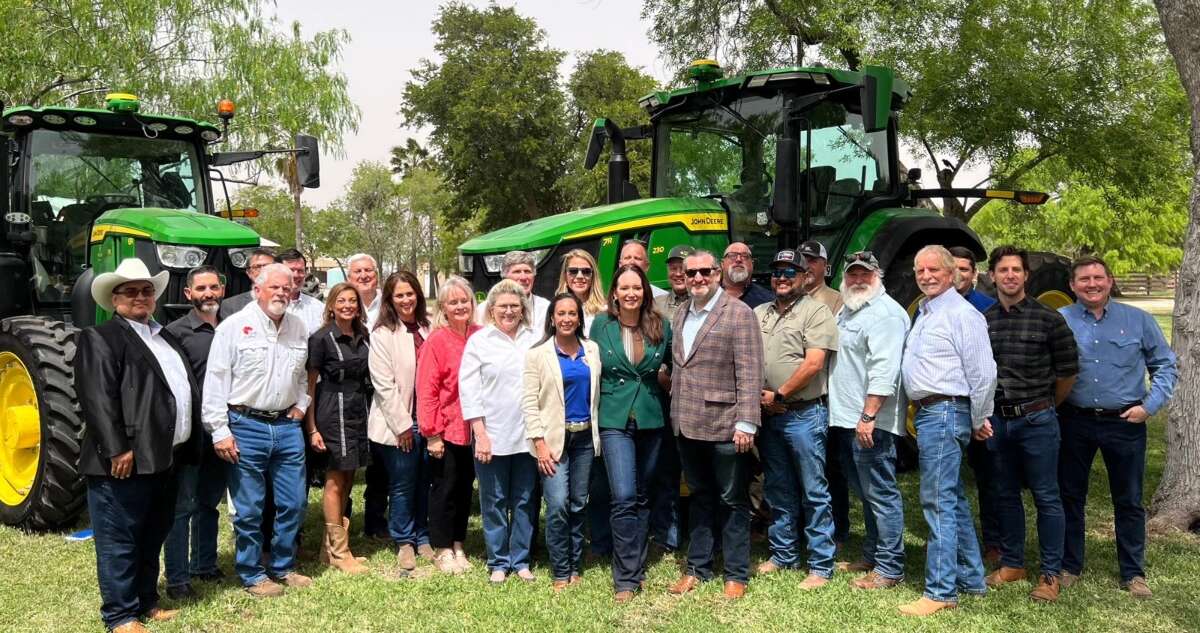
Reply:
x=49 y=584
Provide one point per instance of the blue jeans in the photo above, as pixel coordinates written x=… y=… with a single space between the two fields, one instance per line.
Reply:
x=631 y=459
x=275 y=449
x=600 y=542
x=792 y=446
x=1027 y=456
x=719 y=479
x=1122 y=445
x=871 y=473
x=407 y=503
x=664 y=493
x=566 y=493
x=201 y=490
x=952 y=558
x=130 y=520
x=506 y=507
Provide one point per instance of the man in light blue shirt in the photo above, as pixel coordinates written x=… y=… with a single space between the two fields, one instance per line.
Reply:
x=865 y=399
x=1106 y=411
x=949 y=373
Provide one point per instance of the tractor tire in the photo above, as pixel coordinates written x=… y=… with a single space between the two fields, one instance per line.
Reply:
x=901 y=283
x=1050 y=279
x=37 y=393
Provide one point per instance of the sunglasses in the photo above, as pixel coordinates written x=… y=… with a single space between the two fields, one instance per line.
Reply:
x=784 y=273
x=860 y=256
x=133 y=293
x=703 y=272
x=579 y=272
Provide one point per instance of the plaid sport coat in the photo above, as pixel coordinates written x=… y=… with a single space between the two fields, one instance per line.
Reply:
x=720 y=382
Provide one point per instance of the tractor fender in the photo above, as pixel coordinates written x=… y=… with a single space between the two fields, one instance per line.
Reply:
x=902 y=236
x=83 y=306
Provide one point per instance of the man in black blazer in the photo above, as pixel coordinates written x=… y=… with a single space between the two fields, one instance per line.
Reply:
x=141 y=410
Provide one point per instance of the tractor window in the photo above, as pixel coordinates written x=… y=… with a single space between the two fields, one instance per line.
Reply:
x=847 y=163
x=75 y=176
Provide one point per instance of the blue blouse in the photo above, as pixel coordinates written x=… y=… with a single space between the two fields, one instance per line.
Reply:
x=577 y=385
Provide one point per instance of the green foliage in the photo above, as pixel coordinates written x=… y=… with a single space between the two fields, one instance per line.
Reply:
x=410 y=156
x=424 y=239
x=495 y=113
x=328 y=231
x=603 y=84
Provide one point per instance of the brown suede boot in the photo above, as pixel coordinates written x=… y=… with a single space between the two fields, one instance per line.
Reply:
x=1005 y=575
x=337 y=542
x=1046 y=589
x=925 y=607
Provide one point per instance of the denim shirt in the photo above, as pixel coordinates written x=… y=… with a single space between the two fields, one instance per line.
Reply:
x=1115 y=352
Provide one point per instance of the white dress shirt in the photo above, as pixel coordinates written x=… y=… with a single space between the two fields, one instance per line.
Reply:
x=373 y=310
x=255 y=364
x=656 y=292
x=695 y=320
x=537 y=320
x=948 y=353
x=489 y=385
x=176 y=373
x=310 y=310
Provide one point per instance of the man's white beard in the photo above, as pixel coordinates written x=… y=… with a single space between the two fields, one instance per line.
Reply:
x=276 y=308
x=210 y=307
x=855 y=297
x=738 y=275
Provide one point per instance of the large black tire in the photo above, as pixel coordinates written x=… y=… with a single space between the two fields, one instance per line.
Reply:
x=47 y=349
x=901 y=282
x=1050 y=279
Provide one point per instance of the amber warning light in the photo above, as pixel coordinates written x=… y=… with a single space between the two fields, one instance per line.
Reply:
x=225 y=109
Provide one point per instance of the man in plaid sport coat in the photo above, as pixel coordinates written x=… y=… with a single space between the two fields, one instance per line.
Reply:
x=716 y=387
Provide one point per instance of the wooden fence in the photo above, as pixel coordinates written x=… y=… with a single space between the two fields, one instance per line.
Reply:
x=1146 y=284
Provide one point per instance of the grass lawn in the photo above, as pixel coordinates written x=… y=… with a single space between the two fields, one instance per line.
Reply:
x=49 y=584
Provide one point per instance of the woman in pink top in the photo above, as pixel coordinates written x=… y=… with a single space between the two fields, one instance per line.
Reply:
x=439 y=415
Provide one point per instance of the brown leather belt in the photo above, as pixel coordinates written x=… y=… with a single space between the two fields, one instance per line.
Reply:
x=1025 y=408
x=796 y=405
x=929 y=401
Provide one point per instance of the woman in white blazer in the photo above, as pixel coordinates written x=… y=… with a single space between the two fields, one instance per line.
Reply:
x=402 y=326
x=562 y=389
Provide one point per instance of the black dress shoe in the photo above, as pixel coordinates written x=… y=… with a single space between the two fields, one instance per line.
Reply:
x=210 y=576
x=182 y=593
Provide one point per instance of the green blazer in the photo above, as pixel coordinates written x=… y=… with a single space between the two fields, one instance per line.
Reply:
x=627 y=390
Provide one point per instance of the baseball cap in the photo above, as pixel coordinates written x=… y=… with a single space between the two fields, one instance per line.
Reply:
x=680 y=251
x=865 y=259
x=790 y=257
x=813 y=248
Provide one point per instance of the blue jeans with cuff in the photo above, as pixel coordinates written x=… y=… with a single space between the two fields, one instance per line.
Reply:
x=871 y=473
x=407 y=474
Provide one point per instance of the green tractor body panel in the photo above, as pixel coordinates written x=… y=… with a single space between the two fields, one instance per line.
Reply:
x=176 y=226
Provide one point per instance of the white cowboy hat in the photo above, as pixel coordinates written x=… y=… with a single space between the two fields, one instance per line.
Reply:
x=132 y=269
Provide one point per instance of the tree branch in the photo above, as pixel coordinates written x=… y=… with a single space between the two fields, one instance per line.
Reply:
x=1015 y=175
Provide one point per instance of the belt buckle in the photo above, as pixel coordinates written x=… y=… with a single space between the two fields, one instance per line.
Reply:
x=1010 y=410
x=1097 y=412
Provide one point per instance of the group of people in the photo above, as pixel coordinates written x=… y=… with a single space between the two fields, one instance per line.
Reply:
x=600 y=404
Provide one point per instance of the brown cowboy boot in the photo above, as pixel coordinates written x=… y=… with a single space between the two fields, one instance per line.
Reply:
x=337 y=544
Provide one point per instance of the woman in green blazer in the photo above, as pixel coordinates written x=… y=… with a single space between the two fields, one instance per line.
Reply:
x=634 y=342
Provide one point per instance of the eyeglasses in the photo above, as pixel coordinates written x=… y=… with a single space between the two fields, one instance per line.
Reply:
x=737 y=256
x=579 y=272
x=784 y=273
x=860 y=256
x=507 y=308
x=703 y=272
x=133 y=293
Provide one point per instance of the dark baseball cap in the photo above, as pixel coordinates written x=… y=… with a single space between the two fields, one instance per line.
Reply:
x=790 y=257
x=680 y=251
x=865 y=259
x=813 y=248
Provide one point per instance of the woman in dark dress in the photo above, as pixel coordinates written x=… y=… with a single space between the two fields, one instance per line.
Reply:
x=337 y=421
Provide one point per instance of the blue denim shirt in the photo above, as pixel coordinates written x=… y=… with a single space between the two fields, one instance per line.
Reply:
x=1115 y=353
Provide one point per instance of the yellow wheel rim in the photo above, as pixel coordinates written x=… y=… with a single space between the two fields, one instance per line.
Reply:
x=1055 y=299
x=20 y=430
x=914 y=306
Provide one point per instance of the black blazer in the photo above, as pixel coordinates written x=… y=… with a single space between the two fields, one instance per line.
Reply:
x=127 y=403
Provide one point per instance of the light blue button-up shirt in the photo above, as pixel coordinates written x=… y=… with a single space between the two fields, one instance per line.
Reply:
x=694 y=320
x=948 y=353
x=870 y=346
x=1115 y=352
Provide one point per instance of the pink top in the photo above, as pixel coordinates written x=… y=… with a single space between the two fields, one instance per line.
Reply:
x=438 y=409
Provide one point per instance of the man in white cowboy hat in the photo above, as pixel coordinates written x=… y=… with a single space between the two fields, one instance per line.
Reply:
x=140 y=407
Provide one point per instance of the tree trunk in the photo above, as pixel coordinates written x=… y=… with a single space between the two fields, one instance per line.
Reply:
x=1176 y=503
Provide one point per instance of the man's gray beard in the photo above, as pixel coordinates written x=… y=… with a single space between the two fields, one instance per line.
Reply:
x=209 y=307
x=857 y=299
x=276 y=308
x=738 y=275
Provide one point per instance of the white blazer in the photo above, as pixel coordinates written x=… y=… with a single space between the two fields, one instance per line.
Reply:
x=543 y=402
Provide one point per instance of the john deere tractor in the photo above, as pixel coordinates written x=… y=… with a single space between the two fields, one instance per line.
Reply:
x=768 y=158
x=80 y=191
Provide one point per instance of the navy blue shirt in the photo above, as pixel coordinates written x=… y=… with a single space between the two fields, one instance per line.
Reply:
x=577 y=385
x=981 y=301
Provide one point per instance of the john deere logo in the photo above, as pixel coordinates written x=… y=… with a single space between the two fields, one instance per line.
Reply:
x=706 y=220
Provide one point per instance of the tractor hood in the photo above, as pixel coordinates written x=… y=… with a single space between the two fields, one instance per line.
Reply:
x=176 y=226
x=610 y=218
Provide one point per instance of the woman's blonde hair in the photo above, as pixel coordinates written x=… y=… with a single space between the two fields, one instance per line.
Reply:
x=507 y=287
x=454 y=282
x=594 y=303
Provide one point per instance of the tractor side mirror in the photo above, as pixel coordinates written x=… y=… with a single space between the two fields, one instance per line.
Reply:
x=308 y=162
x=876 y=86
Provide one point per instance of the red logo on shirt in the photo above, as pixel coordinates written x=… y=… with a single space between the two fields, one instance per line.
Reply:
x=247 y=330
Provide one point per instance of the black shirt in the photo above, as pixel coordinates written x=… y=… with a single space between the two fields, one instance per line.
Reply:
x=755 y=295
x=1033 y=347
x=196 y=337
x=341 y=361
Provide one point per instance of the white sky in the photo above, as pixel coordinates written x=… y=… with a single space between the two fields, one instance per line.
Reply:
x=389 y=38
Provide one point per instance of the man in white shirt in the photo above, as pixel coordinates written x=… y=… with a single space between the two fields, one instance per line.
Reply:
x=310 y=309
x=634 y=252
x=255 y=394
x=520 y=267
x=364 y=276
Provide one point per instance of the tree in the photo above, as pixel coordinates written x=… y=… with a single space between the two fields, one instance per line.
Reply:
x=373 y=208
x=603 y=84
x=410 y=156
x=424 y=199
x=495 y=113
x=1176 y=503
x=330 y=230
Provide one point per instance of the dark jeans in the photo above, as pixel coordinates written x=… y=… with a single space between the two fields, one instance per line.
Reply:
x=506 y=504
x=981 y=458
x=1027 y=457
x=201 y=490
x=407 y=477
x=130 y=520
x=631 y=459
x=836 y=481
x=664 y=493
x=871 y=473
x=450 y=495
x=566 y=493
x=600 y=542
x=1122 y=445
x=719 y=479
x=377 y=493
x=792 y=446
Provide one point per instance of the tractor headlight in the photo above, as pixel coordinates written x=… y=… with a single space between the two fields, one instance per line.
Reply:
x=539 y=255
x=466 y=263
x=239 y=257
x=185 y=257
x=492 y=262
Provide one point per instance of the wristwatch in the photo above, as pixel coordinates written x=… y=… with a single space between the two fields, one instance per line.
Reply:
x=778 y=396
x=866 y=418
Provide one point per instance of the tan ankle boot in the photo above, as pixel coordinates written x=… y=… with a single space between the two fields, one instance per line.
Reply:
x=337 y=544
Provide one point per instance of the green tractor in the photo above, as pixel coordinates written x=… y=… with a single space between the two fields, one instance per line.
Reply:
x=80 y=191
x=769 y=158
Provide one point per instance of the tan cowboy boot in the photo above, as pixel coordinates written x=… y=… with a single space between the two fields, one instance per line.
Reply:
x=337 y=541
